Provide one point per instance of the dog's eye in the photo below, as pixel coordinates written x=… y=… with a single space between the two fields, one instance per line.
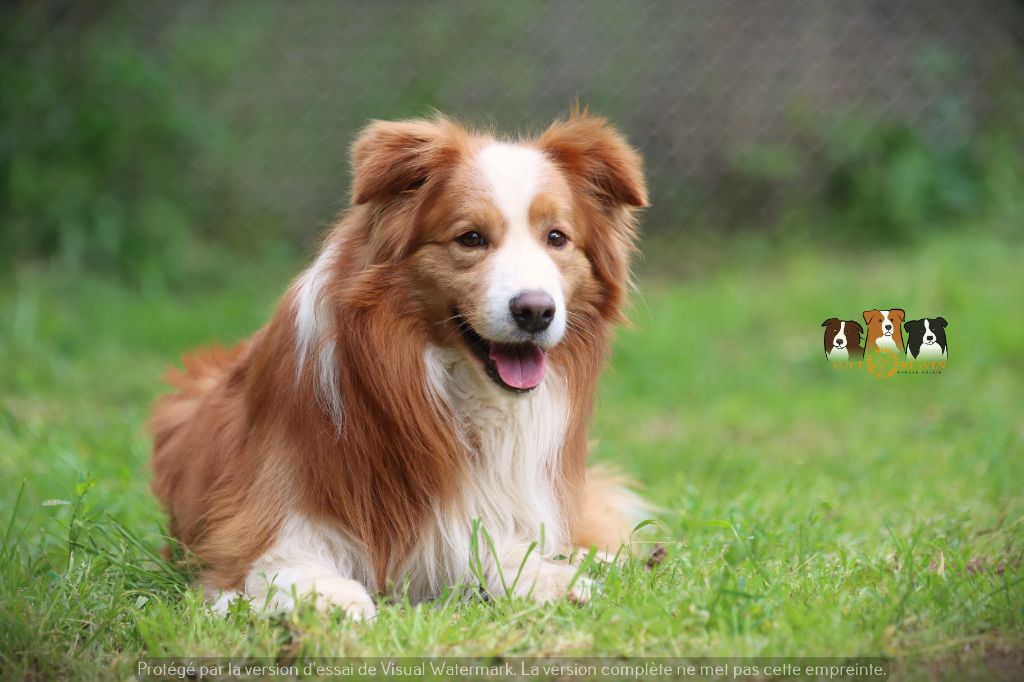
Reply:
x=472 y=239
x=556 y=239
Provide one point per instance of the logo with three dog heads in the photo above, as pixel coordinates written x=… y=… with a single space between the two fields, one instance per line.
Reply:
x=926 y=337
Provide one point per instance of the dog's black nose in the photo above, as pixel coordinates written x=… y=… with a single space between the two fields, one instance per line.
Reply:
x=532 y=310
x=887 y=327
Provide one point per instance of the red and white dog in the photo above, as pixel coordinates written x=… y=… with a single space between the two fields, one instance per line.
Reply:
x=434 y=366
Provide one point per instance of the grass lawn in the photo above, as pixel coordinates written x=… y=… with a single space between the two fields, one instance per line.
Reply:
x=808 y=511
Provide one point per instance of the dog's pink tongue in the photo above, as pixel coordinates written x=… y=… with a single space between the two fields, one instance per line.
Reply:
x=519 y=366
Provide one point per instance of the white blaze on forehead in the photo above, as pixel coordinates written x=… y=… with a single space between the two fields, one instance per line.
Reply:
x=841 y=334
x=885 y=319
x=512 y=176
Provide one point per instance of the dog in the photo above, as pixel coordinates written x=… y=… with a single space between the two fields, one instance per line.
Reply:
x=926 y=338
x=424 y=388
x=884 y=330
x=842 y=339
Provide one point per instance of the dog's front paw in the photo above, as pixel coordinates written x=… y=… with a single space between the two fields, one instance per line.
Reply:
x=349 y=595
x=326 y=593
x=556 y=581
x=582 y=590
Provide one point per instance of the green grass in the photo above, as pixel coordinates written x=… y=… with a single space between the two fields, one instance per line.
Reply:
x=808 y=511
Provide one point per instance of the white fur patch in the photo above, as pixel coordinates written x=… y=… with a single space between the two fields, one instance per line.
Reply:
x=513 y=175
x=839 y=351
x=309 y=558
x=838 y=355
x=931 y=352
x=886 y=321
x=221 y=601
x=509 y=484
x=886 y=343
x=314 y=332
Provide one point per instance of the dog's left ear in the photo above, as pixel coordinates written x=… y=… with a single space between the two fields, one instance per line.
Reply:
x=391 y=159
x=607 y=176
x=941 y=321
x=597 y=159
x=856 y=325
x=899 y=314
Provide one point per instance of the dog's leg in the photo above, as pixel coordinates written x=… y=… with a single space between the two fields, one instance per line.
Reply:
x=278 y=586
x=308 y=560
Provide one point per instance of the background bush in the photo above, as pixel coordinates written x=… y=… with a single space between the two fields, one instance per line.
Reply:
x=99 y=149
x=137 y=138
x=95 y=148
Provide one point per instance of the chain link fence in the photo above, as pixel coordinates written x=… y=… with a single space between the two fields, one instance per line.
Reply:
x=742 y=108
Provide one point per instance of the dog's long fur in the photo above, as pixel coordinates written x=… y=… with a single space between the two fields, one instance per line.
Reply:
x=347 y=447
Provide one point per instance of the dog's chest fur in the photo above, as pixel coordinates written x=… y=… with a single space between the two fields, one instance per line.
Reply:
x=839 y=354
x=513 y=444
x=886 y=343
x=931 y=352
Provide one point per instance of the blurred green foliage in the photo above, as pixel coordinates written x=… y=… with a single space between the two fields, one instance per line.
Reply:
x=886 y=178
x=876 y=177
x=79 y=180
x=116 y=156
x=97 y=148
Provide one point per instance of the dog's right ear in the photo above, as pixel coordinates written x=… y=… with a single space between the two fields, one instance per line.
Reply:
x=607 y=176
x=831 y=319
x=597 y=159
x=391 y=158
x=868 y=316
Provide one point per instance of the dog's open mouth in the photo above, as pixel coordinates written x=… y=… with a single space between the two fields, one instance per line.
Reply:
x=516 y=367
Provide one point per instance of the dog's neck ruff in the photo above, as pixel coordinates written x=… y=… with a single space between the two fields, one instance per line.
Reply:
x=886 y=343
x=512 y=445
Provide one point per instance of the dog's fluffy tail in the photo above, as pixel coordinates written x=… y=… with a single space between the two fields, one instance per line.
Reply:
x=610 y=510
x=203 y=371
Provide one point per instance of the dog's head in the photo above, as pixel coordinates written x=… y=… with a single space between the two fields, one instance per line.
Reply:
x=507 y=247
x=928 y=331
x=841 y=334
x=885 y=323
